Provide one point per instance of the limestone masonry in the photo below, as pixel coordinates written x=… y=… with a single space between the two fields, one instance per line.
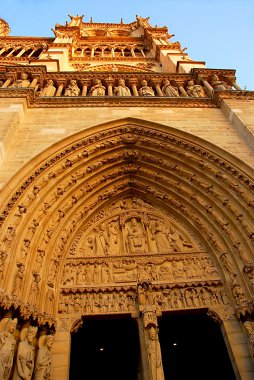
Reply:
x=126 y=189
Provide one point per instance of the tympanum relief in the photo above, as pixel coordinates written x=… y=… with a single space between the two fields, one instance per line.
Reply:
x=136 y=230
x=134 y=256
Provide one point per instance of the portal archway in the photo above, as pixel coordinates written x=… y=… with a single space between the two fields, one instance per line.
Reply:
x=124 y=216
x=192 y=346
x=109 y=347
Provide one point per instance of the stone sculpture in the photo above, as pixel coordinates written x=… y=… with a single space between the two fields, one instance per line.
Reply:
x=18 y=282
x=25 y=356
x=72 y=89
x=194 y=90
x=135 y=238
x=218 y=84
x=49 y=89
x=7 y=349
x=35 y=289
x=145 y=90
x=122 y=89
x=102 y=240
x=22 y=82
x=249 y=328
x=160 y=236
x=154 y=352
x=43 y=361
x=98 y=89
x=168 y=89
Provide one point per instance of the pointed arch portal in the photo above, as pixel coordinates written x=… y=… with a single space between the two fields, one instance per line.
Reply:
x=131 y=218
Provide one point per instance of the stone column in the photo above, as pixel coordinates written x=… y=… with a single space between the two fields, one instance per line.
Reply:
x=183 y=92
x=84 y=86
x=235 y=85
x=61 y=352
x=30 y=55
x=33 y=83
x=235 y=340
x=60 y=88
x=142 y=51
x=6 y=83
x=109 y=81
x=11 y=52
x=152 y=367
x=158 y=89
x=208 y=87
x=133 y=83
x=237 y=345
x=146 y=374
x=22 y=52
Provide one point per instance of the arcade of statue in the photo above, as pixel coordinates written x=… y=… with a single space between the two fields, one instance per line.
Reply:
x=130 y=217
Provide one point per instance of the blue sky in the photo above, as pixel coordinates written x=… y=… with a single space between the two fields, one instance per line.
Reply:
x=219 y=32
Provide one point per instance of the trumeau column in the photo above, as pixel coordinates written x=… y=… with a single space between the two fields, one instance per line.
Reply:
x=146 y=375
x=152 y=367
x=151 y=350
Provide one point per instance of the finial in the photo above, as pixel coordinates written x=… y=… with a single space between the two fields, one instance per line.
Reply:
x=91 y=20
x=121 y=22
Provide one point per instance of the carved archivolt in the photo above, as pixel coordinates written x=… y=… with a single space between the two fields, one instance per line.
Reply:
x=127 y=193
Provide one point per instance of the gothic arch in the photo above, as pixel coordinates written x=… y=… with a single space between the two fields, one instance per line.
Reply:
x=204 y=192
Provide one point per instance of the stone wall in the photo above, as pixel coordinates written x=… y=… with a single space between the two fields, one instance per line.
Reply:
x=24 y=133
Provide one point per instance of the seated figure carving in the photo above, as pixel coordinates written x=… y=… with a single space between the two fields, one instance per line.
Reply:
x=122 y=89
x=194 y=90
x=49 y=89
x=168 y=89
x=98 y=89
x=22 y=82
x=72 y=89
x=218 y=84
x=145 y=90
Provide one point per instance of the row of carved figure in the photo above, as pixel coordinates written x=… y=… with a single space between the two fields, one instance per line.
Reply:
x=133 y=237
x=73 y=88
x=128 y=270
x=21 y=359
x=111 y=302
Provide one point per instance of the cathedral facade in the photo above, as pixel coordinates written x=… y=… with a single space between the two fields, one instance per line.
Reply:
x=126 y=174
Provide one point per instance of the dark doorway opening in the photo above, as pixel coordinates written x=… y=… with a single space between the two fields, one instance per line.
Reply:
x=193 y=347
x=105 y=349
